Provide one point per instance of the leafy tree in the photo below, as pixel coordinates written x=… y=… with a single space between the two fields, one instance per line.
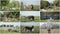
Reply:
x=57 y=3
x=12 y=14
x=14 y=4
x=4 y=2
x=44 y=4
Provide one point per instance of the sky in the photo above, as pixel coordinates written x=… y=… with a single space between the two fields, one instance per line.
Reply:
x=28 y=2
x=30 y=13
x=30 y=23
x=50 y=1
x=15 y=0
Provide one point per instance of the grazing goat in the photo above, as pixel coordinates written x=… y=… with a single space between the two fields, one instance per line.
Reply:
x=31 y=18
x=29 y=29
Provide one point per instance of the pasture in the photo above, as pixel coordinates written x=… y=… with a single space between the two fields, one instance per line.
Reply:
x=37 y=19
x=27 y=5
x=36 y=30
x=29 y=33
x=23 y=19
x=10 y=33
x=35 y=8
x=52 y=21
x=52 y=31
x=5 y=32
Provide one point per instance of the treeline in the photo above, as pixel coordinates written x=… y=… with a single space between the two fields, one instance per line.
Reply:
x=46 y=4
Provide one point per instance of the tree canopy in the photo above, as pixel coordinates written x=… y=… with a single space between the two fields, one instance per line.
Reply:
x=4 y=2
x=44 y=4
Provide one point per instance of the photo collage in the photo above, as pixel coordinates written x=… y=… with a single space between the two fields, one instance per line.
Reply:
x=29 y=16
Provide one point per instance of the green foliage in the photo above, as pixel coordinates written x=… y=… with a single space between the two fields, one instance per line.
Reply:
x=36 y=30
x=57 y=3
x=4 y=2
x=9 y=30
x=44 y=4
x=14 y=14
x=10 y=6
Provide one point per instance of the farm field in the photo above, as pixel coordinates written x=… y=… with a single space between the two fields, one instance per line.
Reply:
x=31 y=6
x=23 y=19
x=36 y=8
x=52 y=31
x=6 y=32
x=10 y=33
x=36 y=30
x=52 y=21
x=37 y=19
x=29 y=33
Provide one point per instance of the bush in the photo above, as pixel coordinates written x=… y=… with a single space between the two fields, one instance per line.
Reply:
x=15 y=31
x=9 y=30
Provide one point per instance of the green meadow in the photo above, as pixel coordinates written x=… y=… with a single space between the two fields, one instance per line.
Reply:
x=10 y=33
x=36 y=30
x=23 y=19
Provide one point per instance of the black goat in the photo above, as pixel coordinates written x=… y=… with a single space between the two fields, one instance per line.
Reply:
x=27 y=28
x=31 y=18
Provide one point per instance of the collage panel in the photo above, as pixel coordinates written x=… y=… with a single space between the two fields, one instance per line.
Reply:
x=30 y=28
x=6 y=16
x=9 y=28
x=10 y=5
x=29 y=16
x=50 y=4
x=30 y=5
x=50 y=28
x=45 y=16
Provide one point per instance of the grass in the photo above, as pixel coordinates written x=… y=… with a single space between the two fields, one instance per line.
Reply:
x=35 y=8
x=52 y=21
x=29 y=33
x=36 y=30
x=52 y=31
x=23 y=19
x=5 y=19
x=37 y=19
x=7 y=32
x=10 y=33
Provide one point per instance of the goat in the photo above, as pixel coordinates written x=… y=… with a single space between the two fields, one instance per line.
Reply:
x=30 y=29
x=31 y=18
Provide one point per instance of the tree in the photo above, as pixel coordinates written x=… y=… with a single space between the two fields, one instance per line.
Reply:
x=4 y=2
x=12 y=14
x=15 y=5
x=44 y=4
x=57 y=3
